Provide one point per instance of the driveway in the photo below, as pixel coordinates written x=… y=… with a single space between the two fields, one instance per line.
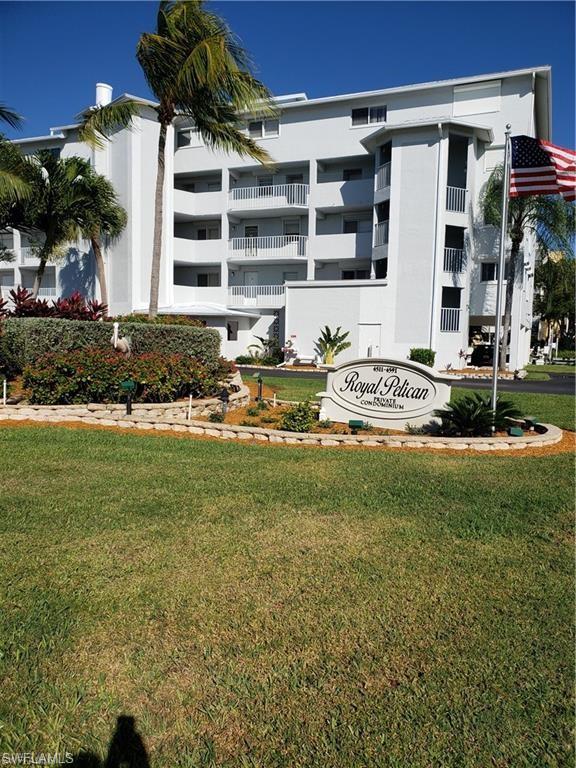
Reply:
x=559 y=383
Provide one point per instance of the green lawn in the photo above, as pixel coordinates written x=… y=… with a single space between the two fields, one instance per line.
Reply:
x=552 y=369
x=283 y=607
x=555 y=409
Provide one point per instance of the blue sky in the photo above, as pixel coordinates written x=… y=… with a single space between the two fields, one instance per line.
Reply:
x=53 y=53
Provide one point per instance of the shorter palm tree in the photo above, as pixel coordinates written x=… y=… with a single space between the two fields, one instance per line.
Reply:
x=550 y=218
x=102 y=217
x=55 y=206
x=331 y=343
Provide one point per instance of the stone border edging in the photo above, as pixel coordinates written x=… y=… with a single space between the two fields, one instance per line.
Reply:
x=102 y=415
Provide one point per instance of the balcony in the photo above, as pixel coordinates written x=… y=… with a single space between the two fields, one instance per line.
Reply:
x=197 y=203
x=191 y=294
x=454 y=260
x=29 y=256
x=381 y=234
x=383 y=176
x=343 y=246
x=272 y=248
x=198 y=251
x=331 y=196
x=456 y=199
x=263 y=296
x=287 y=197
x=450 y=320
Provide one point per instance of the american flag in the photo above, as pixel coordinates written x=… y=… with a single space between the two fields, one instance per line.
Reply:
x=541 y=168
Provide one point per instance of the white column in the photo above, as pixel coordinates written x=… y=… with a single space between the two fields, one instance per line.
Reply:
x=312 y=241
x=225 y=231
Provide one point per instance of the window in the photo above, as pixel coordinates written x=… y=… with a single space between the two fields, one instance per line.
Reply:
x=291 y=226
x=357 y=224
x=365 y=115
x=451 y=298
x=294 y=178
x=232 y=330
x=350 y=174
x=55 y=152
x=259 y=129
x=489 y=271
x=208 y=233
x=355 y=274
x=188 y=137
x=208 y=280
x=289 y=276
x=214 y=186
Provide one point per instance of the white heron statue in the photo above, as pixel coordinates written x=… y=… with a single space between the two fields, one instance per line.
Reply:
x=121 y=344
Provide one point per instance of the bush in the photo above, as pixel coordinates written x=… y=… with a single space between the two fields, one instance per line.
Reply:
x=216 y=418
x=298 y=418
x=75 y=307
x=245 y=360
x=566 y=354
x=424 y=356
x=24 y=340
x=159 y=320
x=471 y=416
x=93 y=376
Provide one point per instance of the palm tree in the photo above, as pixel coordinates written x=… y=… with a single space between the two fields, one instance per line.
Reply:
x=196 y=68
x=331 y=343
x=550 y=218
x=102 y=216
x=55 y=205
x=554 y=298
x=12 y=164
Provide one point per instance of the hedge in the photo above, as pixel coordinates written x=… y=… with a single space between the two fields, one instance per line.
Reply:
x=24 y=340
x=95 y=376
x=422 y=355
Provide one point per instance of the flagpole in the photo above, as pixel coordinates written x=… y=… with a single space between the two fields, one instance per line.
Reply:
x=501 y=266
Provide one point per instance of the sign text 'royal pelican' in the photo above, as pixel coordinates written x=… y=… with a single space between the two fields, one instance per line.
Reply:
x=384 y=392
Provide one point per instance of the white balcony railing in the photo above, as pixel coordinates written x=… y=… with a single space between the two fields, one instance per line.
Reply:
x=273 y=196
x=29 y=255
x=256 y=296
x=47 y=291
x=454 y=260
x=381 y=234
x=383 y=176
x=450 y=320
x=272 y=247
x=456 y=199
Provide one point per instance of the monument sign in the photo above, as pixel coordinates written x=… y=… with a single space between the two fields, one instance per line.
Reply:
x=385 y=393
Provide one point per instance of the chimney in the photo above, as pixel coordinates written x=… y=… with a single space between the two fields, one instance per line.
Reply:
x=103 y=94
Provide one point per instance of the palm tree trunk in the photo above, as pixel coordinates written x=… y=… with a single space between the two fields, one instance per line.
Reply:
x=512 y=270
x=158 y=223
x=43 y=256
x=100 y=269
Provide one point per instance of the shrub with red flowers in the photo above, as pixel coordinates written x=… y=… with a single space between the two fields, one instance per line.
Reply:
x=75 y=307
x=94 y=376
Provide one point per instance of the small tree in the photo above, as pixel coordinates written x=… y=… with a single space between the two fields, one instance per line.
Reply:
x=552 y=220
x=13 y=185
x=331 y=343
x=103 y=216
x=554 y=292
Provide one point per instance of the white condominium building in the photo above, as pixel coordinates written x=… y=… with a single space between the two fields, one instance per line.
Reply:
x=370 y=219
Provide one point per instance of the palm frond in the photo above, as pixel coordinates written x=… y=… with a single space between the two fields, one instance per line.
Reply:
x=10 y=117
x=99 y=123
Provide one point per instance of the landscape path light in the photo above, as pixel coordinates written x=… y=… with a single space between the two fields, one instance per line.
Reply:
x=258 y=377
x=128 y=386
x=224 y=397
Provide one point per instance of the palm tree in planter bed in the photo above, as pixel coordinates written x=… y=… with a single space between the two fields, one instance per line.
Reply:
x=54 y=207
x=331 y=343
x=103 y=217
x=550 y=218
x=13 y=185
x=197 y=69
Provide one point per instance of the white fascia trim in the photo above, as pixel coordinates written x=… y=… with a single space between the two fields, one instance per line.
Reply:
x=485 y=133
x=34 y=139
